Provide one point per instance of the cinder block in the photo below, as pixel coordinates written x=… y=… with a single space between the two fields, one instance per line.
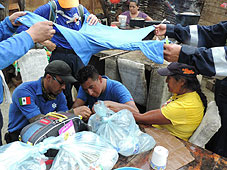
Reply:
x=210 y=85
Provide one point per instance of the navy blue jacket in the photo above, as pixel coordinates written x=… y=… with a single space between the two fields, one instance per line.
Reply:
x=207 y=50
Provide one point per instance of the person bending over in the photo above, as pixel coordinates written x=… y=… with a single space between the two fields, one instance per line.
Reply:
x=32 y=100
x=95 y=87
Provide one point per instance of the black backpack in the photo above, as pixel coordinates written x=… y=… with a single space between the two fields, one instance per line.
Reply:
x=53 y=6
x=49 y=126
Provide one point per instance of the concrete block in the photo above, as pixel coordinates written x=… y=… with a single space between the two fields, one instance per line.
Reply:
x=210 y=85
x=158 y=91
x=111 y=68
x=32 y=64
x=133 y=77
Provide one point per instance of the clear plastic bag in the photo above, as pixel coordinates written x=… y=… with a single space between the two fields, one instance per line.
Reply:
x=21 y=156
x=120 y=130
x=85 y=150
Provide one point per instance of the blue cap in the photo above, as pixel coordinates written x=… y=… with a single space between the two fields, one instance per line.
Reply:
x=1 y=6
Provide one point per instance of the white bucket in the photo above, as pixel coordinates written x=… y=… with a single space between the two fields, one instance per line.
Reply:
x=159 y=158
x=122 y=20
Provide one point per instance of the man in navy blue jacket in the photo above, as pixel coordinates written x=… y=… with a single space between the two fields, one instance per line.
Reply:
x=12 y=48
x=208 y=53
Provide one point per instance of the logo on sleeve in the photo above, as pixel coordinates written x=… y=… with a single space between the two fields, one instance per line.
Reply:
x=54 y=105
x=24 y=101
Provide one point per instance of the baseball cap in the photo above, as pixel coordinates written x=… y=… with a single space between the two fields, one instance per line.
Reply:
x=68 y=3
x=1 y=6
x=62 y=69
x=178 y=68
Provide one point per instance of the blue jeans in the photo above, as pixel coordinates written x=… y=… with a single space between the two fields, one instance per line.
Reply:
x=1 y=125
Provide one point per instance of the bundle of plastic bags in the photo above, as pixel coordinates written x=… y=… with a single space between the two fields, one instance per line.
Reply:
x=85 y=150
x=120 y=130
x=18 y=155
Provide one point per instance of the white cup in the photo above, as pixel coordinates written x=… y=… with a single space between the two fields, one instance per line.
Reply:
x=159 y=158
x=122 y=20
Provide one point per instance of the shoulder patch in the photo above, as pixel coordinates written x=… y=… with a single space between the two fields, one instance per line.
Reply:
x=24 y=101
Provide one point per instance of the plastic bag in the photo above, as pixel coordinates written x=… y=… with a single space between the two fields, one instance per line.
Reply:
x=120 y=130
x=21 y=156
x=85 y=150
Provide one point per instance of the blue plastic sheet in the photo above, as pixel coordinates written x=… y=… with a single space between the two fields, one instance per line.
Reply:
x=93 y=39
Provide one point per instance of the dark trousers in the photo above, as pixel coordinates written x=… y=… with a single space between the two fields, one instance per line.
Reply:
x=75 y=63
x=12 y=137
x=218 y=143
x=1 y=125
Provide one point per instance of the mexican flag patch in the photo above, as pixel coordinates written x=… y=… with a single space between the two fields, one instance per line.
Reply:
x=24 y=101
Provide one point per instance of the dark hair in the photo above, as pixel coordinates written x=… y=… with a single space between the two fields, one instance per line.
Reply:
x=193 y=84
x=45 y=74
x=86 y=72
x=136 y=1
x=51 y=74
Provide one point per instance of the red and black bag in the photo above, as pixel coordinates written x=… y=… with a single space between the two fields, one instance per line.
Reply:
x=51 y=125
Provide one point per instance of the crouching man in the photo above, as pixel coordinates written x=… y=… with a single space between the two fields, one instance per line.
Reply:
x=32 y=100
x=95 y=87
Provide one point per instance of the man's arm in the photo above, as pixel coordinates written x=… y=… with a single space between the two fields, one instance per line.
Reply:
x=210 y=56
x=151 y=117
x=25 y=102
x=42 y=11
x=199 y=36
x=116 y=107
x=78 y=108
x=78 y=102
x=209 y=62
x=6 y=29
x=123 y=98
x=35 y=118
x=15 y=47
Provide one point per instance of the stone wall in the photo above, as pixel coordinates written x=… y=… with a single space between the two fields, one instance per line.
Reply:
x=212 y=13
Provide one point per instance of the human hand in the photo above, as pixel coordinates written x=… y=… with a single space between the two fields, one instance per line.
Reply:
x=114 y=106
x=14 y=16
x=84 y=111
x=49 y=45
x=92 y=19
x=160 y=29
x=172 y=52
x=41 y=31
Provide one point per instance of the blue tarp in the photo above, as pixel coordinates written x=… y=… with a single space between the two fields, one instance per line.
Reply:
x=93 y=39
